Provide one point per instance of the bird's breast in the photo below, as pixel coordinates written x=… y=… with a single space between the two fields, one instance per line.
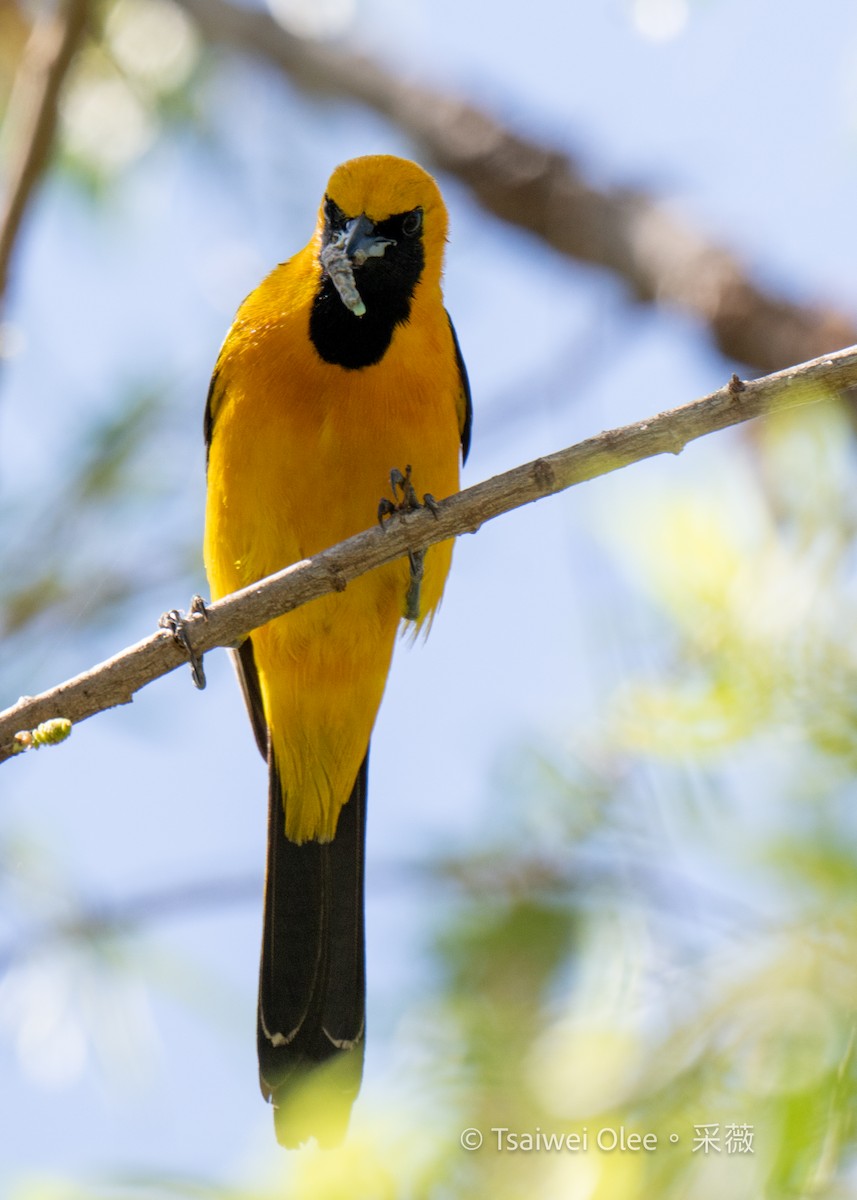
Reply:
x=303 y=449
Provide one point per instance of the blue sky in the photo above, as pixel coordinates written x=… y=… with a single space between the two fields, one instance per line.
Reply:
x=745 y=121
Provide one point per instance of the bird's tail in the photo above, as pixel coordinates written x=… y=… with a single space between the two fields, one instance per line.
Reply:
x=312 y=978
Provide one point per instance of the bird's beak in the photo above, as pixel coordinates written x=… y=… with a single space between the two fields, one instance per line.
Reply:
x=350 y=248
x=362 y=241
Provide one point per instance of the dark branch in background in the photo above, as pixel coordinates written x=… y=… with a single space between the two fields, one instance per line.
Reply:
x=31 y=117
x=229 y=620
x=543 y=190
x=96 y=921
x=491 y=875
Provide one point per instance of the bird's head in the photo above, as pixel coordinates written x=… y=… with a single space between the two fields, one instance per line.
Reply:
x=381 y=232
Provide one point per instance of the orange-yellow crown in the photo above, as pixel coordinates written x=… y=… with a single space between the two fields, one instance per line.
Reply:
x=380 y=185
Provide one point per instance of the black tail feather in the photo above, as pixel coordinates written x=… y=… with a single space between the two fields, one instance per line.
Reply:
x=312 y=978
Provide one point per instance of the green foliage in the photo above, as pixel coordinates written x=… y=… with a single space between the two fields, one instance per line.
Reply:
x=134 y=77
x=663 y=933
x=592 y=987
x=657 y=943
x=49 y=733
x=80 y=547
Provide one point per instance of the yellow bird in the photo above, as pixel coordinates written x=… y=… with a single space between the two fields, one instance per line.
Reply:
x=341 y=368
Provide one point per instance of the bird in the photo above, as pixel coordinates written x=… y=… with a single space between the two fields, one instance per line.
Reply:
x=340 y=381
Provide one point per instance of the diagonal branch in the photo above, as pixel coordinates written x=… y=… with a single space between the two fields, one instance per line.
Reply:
x=542 y=189
x=31 y=117
x=230 y=620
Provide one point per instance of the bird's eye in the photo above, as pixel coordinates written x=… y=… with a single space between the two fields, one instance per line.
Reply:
x=412 y=222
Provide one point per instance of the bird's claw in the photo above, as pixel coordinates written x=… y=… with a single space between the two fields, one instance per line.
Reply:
x=386 y=508
x=175 y=622
x=409 y=502
x=402 y=483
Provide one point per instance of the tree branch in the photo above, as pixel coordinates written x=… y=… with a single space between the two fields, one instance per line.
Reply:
x=31 y=116
x=93 y=920
x=542 y=189
x=230 y=620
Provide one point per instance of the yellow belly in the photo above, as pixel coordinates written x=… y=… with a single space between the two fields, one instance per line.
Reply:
x=299 y=460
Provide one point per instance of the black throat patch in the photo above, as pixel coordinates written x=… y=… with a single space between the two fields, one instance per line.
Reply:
x=386 y=286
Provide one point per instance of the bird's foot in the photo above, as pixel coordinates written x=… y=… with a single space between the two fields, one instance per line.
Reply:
x=409 y=501
x=175 y=621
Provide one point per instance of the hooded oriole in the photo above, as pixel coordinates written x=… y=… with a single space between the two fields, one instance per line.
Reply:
x=341 y=367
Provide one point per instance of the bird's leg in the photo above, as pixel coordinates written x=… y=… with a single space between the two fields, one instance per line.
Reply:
x=398 y=483
x=409 y=502
x=417 y=559
x=402 y=483
x=176 y=623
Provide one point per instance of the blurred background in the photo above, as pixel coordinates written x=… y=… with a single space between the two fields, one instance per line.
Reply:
x=612 y=877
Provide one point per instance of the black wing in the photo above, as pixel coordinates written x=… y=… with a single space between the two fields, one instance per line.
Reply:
x=467 y=417
x=212 y=404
